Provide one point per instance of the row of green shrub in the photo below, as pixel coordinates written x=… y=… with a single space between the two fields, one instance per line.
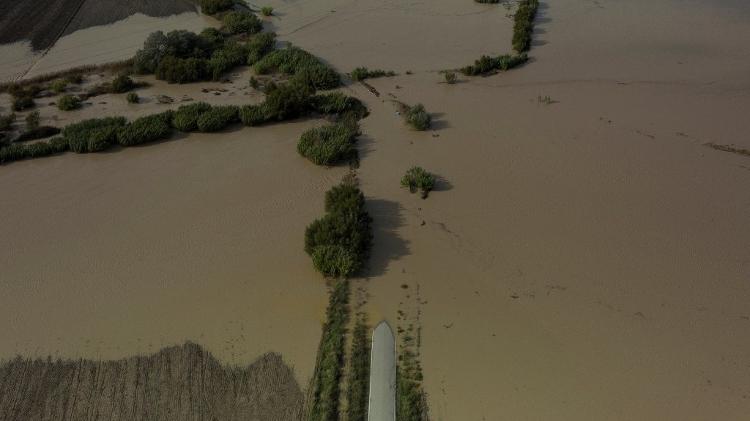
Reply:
x=283 y=102
x=486 y=64
x=523 y=25
x=329 y=144
x=339 y=242
x=330 y=360
x=362 y=73
x=411 y=402
x=20 y=151
x=358 y=378
x=303 y=66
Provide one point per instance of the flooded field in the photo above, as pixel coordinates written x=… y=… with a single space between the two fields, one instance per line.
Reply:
x=584 y=256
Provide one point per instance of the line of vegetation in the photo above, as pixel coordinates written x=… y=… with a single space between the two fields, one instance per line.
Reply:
x=358 y=382
x=330 y=362
x=728 y=148
x=417 y=179
x=523 y=26
x=488 y=1
x=486 y=65
x=285 y=101
x=212 y=7
x=362 y=73
x=339 y=243
x=329 y=144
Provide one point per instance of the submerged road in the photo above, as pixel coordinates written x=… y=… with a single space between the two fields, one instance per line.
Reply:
x=382 y=404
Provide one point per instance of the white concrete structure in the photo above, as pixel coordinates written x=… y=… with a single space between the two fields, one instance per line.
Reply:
x=382 y=404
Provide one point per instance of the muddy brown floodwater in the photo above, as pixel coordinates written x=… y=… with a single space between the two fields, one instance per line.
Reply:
x=582 y=258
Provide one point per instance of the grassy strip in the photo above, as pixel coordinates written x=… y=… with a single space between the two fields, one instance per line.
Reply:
x=727 y=148
x=411 y=402
x=523 y=26
x=358 y=384
x=488 y=65
x=329 y=366
x=339 y=243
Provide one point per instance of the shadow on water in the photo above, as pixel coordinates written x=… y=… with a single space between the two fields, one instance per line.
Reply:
x=388 y=246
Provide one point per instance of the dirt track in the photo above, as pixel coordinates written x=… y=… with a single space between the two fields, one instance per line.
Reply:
x=177 y=383
x=43 y=21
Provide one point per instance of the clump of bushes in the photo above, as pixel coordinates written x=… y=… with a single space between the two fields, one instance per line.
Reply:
x=230 y=55
x=177 y=44
x=181 y=70
x=145 y=129
x=185 y=119
x=58 y=85
x=362 y=73
x=417 y=179
x=253 y=115
x=19 y=151
x=330 y=362
x=266 y=10
x=302 y=65
x=339 y=243
x=23 y=103
x=242 y=22
x=218 y=118
x=287 y=101
x=23 y=96
x=328 y=145
x=92 y=135
x=212 y=7
x=487 y=64
x=69 y=102
x=132 y=98
x=450 y=78
x=259 y=46
x=122 y=84
x=523 y=25
x=417 y=117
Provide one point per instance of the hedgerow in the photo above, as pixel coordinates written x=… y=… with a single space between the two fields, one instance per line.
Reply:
x=185 y=119
x=92 y=135
x=339 y=243
x=487 y=64
x=218 y=118
x=523 y=25
x=362 y=73
x=145 y=129
x=39 y=132
x=328 y=145
x=20 y=151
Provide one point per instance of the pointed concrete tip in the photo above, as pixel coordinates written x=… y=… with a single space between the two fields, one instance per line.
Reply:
x=382 y=405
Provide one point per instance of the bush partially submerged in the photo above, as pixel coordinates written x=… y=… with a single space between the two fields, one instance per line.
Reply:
x=218 y=118
x=328 y=145
x=339 y=242
x=418 y=118
x=68 y=103
x=145 y=129
x=266 y=10
x=185 y=119
x=362 y=73
x=487 y=64
x=122 y=84
x=242 y=22
x=287 y=101
x=58 y=85
x=23 y=103
x=92 y=135
x=253 y=115
x=132 y=98
x=6 y=121
x=230 y=55
x=302 y=65
x=32 y=120
x=417 y=179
